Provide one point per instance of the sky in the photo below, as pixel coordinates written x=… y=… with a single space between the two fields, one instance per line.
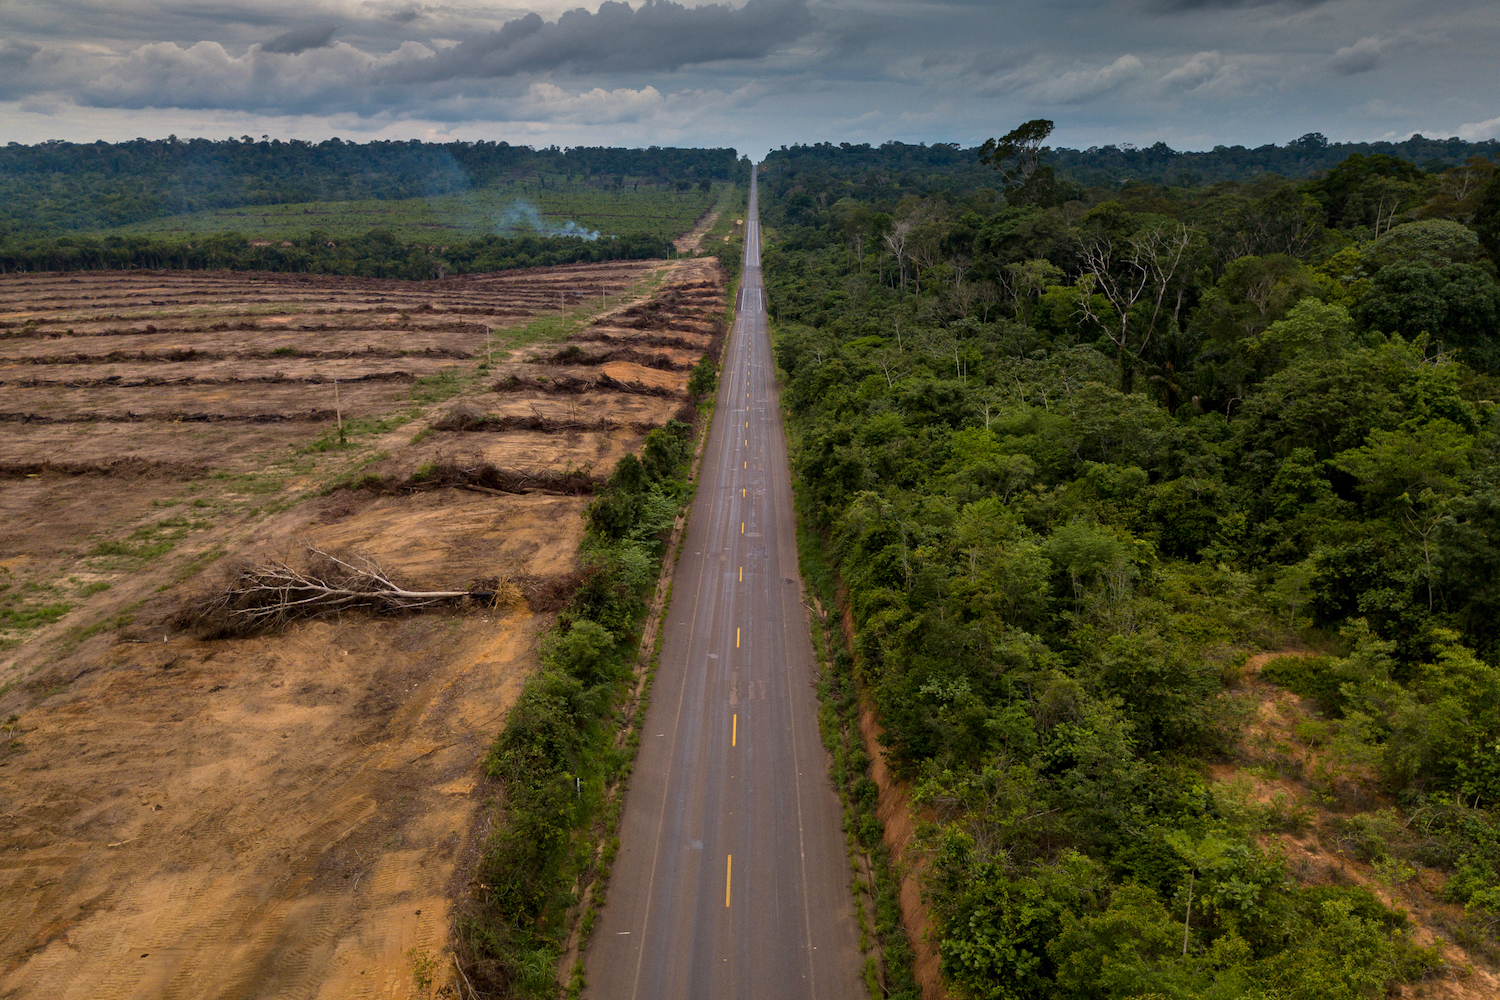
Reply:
x=752 y=74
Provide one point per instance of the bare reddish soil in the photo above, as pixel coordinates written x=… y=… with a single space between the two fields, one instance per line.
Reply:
x=1314 y=802
x=289 y=814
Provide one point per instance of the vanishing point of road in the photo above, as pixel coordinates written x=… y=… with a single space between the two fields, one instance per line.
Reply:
x=732 y=879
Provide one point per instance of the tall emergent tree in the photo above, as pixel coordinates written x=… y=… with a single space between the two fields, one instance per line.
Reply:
x=1017 y=155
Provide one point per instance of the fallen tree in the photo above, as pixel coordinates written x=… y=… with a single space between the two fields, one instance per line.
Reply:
x=269 y=596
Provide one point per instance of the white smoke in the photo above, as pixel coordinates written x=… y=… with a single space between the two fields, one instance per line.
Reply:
x=522 y=216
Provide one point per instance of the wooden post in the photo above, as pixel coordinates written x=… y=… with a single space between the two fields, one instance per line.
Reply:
x=489 y=354
x=338 y=410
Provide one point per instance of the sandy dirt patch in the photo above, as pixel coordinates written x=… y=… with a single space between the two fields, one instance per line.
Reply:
x=287 y=815
x=269 y=818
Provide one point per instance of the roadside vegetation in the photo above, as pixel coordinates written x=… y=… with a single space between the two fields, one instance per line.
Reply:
x=558 y=760
x=1164 y=520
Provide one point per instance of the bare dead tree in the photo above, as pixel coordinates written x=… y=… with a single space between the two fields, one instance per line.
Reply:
x=267 y=597
x=1140 y=271
x=890 y=369
x=960 y=264
x=898 y=241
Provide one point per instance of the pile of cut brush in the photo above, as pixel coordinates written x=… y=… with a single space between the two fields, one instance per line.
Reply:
x=267 y=597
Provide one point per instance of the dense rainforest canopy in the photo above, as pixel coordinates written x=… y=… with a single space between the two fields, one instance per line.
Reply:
x=1078 y=452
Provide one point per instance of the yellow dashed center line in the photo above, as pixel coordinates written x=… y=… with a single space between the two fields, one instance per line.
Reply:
x=728 y=875
x=736 y=638
x=734 y=732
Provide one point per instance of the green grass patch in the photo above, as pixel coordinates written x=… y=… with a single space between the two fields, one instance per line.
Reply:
x=32 y=617
x=146 y=550
x=439 y=386
x=250 y=482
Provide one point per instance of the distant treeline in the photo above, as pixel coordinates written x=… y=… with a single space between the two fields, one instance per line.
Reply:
x=377 y=254
x=949 y=167
x=56 y=186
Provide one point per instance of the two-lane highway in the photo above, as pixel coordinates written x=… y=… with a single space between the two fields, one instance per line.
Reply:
x=732 y=879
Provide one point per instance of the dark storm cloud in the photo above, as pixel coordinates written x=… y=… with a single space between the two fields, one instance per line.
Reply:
x=1174 y=6
x=657 y=36
x=299 y=40
x=16 y=55
x=1190 y=72
x=15 y=60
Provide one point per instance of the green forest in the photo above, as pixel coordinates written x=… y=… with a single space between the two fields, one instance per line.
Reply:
x=378 y=253
x=58 y=186
x=1109 y=471
x=382 y=209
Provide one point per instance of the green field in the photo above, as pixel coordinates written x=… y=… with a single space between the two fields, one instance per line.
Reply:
x=473 y=214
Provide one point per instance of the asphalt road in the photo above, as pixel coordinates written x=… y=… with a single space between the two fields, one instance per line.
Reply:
x=732 y=879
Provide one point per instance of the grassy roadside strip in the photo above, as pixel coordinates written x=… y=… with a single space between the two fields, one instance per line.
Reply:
x=564 y=757
x=876 y=886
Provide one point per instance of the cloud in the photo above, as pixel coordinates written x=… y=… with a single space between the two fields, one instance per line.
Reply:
x=1040 y=81
x=1083 y=84
x=15 y=63
x=1189 y=72
x=206 y=75
x=1176 y=6
x=307 y=71
x=299 y=40
x=657 y=36
x=1479 y=131
x=549 y=102
x=16 y=55
x=1211 y=73
x=1194 y=73
x=1361 y=57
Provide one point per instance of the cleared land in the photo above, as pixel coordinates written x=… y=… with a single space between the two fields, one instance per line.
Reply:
x=502 y=209
x=285 y=815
